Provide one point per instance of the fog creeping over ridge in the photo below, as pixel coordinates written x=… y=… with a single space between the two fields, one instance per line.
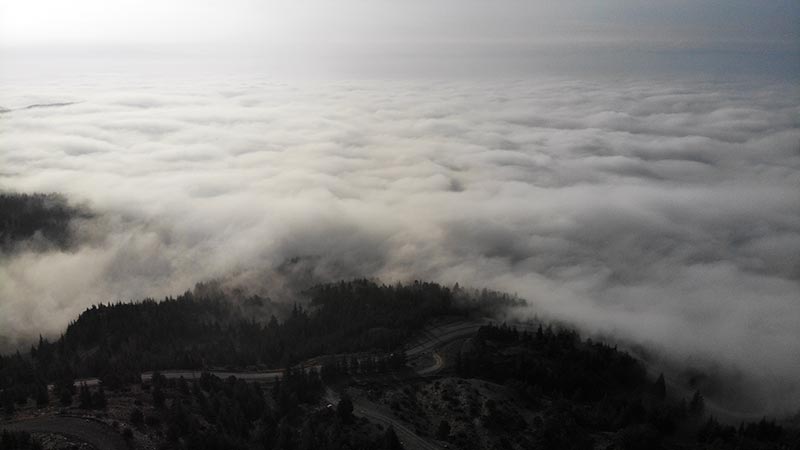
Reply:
x=632 y=169
x=663 y=213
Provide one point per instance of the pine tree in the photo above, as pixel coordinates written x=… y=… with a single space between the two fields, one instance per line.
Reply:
x=697 y=405
x=307 y=437
x=158 y=397
x=85 y=397
x=8 y=403
x=660 y=387
x=284 y=438
x=443 y=432
x=137 y=417
x=99 y=398
x=42 y=397
x=392 y=442
x=345 y=409
x=65 y=397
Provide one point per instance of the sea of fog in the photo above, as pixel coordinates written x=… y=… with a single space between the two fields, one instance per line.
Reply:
x=662 y=213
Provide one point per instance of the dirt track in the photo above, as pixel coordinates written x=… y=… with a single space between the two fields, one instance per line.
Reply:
x=364 y=408
x=408 y=437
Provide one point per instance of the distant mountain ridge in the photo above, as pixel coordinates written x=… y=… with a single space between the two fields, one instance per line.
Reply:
x=37 y=105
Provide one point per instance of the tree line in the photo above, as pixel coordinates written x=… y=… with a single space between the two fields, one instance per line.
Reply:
x=592 y=387
x=26 y=216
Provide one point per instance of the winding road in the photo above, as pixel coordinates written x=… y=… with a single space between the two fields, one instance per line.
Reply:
x=437 y=336
x=103 y=437
x=97 y=434
x=263 y=376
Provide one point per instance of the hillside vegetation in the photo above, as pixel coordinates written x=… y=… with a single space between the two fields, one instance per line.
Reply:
x=42 y=218
x=501 y=388
x=117 y=342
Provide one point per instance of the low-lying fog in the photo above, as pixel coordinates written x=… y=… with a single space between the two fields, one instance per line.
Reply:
x=665 y=213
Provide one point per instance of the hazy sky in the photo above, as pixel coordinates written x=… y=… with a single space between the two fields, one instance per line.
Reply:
x=681 y=23
x=728 y=24
x=388 y=37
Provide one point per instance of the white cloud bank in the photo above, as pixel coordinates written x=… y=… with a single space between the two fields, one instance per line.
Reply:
x=664 y=213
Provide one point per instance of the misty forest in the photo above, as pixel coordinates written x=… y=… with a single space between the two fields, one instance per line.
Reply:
x=386 y=224
x=214 y=368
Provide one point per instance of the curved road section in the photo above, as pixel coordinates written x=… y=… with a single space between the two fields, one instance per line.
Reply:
x=97 y=434
x=103 y=437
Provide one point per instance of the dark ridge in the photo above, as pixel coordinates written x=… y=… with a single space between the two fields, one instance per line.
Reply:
x=48 y=105
x=213 y=329
x=532 y=388
x=37 y=105
x=42 y=220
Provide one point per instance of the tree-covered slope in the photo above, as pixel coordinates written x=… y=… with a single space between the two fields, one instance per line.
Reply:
x=44 y=218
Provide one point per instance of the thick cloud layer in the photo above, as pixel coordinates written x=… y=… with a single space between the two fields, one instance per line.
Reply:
x=663 y=213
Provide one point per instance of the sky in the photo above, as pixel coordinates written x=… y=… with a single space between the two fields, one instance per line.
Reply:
x=379 y=38
x=674 y=23
x=629 y=167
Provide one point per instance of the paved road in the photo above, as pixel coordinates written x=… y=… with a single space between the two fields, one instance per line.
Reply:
x=98 y=434
x=438 y=364
x=431 y=339
x=265 y=376
x=106 y=438
x=434 y=337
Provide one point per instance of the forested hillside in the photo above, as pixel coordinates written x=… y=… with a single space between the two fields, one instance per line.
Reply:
x=43 y=216
x=501 y=388
x=117 y=342
x=588 y=392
